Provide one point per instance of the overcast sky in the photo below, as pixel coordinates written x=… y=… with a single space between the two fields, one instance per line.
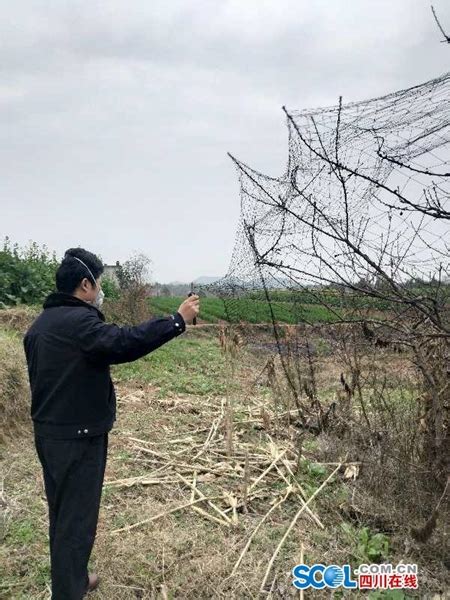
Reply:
x=116 y=116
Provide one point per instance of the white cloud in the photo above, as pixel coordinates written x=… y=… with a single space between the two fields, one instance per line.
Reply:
x=115 y=117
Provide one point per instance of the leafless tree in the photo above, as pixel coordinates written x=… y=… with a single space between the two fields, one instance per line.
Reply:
x=363 y=209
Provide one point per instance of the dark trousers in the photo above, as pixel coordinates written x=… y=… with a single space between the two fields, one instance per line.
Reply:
x=73 y=476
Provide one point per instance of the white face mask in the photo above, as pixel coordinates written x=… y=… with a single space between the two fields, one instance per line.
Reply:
x=99 y=298
x=100 y=294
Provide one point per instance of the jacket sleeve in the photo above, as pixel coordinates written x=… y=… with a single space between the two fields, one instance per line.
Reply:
x=113 y=344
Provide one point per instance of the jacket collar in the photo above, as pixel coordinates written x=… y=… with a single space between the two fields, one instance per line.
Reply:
x=63 y=299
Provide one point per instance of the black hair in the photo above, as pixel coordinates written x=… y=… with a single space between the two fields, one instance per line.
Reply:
x=71 y=272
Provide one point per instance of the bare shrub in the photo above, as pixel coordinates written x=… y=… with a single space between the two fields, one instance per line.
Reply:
x=132 y=306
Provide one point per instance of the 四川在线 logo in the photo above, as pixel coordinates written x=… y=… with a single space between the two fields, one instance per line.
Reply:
x=368 y=577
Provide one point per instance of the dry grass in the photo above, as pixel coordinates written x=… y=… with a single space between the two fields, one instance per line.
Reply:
x=181 y=517
x=14 y=389
x=188 y=553
x=18 y=319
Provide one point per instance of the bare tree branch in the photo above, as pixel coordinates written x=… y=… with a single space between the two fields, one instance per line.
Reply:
x=447 y=37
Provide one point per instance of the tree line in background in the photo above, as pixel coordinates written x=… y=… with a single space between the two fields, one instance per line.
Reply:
x=27 y=276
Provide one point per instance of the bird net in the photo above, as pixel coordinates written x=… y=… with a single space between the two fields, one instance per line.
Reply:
x=338 y=282
x=359 y=216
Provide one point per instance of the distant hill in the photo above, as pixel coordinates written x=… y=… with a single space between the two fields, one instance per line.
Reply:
x=180 y=288
x=201 y=280
x=206 y=279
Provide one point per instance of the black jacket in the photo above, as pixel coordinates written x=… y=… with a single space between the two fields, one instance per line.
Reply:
x=69 y=349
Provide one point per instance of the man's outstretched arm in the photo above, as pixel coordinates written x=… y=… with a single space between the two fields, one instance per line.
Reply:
x=113 y=344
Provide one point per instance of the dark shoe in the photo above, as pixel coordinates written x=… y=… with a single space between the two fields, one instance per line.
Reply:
x=93 y=582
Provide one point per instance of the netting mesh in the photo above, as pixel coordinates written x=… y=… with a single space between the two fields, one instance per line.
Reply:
x=342 y=261
x=364 y=199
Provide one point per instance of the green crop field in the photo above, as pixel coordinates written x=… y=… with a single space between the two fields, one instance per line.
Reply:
x=247 y=309
x=324 y=305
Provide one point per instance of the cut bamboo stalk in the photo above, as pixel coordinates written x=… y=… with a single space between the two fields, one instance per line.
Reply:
x=201 y=495
x=210 y=517
x=164 y=514
x=293 y=522
x=255 y=531
x=313 y=516
x=269 y=468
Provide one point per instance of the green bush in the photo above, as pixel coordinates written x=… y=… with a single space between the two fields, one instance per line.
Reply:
x=110 y=288
x=27 y=275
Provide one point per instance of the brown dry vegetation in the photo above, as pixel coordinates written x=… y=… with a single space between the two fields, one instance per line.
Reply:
x=18 y=319
x=14 y=390
x=245 y=452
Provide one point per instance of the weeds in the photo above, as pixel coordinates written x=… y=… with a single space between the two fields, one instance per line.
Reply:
x=366 y=547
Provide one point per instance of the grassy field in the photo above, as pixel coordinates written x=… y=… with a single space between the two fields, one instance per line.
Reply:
x=172 y=431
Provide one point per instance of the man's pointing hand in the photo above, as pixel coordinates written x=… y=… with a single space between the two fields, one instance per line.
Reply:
x=189 y=308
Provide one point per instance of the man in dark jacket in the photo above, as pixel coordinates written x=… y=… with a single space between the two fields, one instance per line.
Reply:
x=69 y=350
